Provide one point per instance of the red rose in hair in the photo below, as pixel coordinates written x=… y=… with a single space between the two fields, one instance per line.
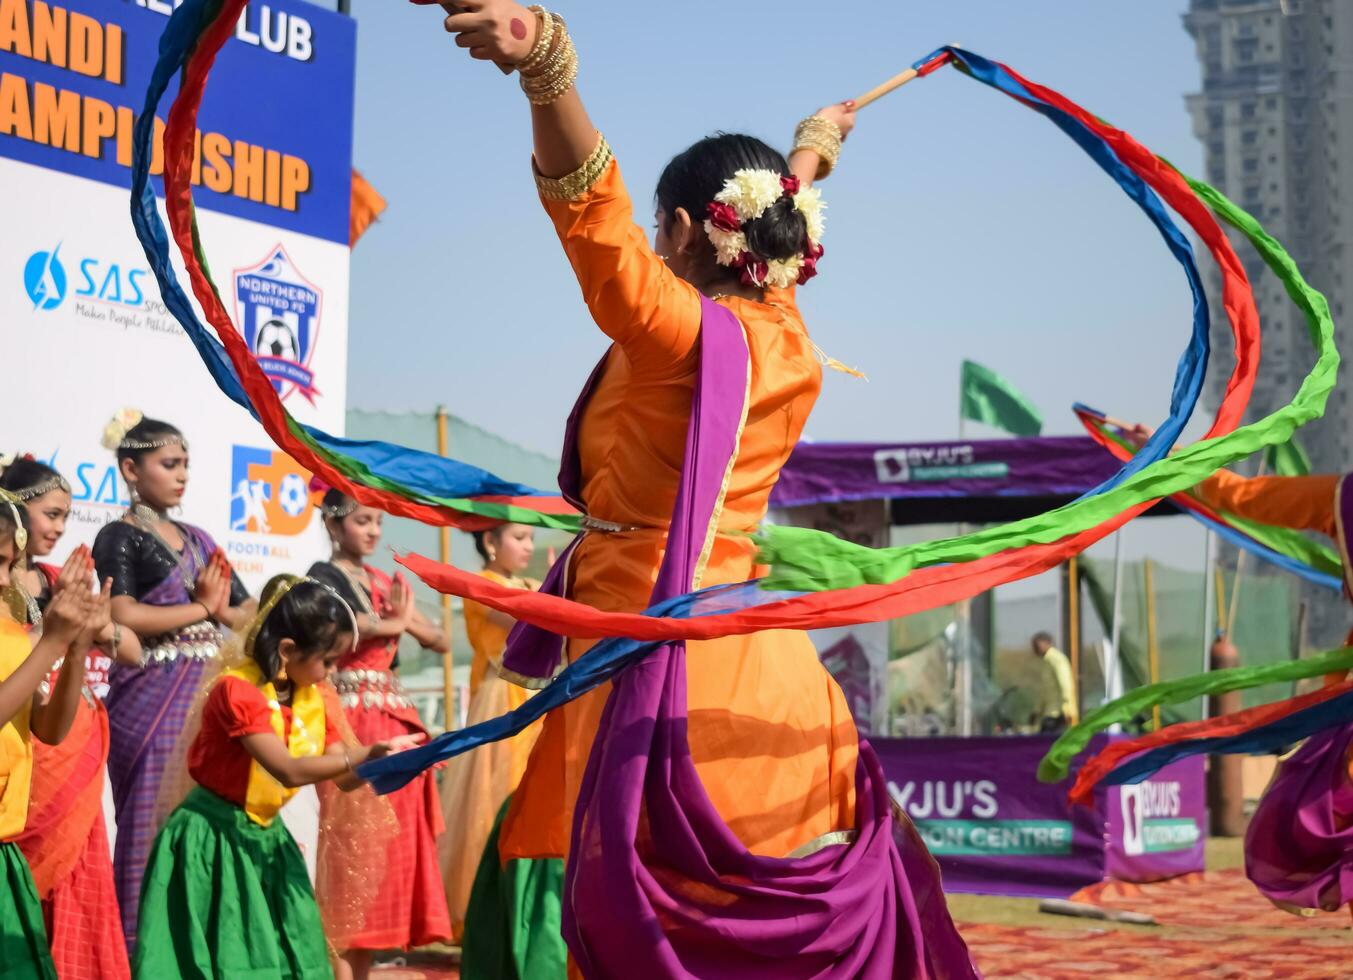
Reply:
x=809 y=268
x=754 y=270
x=790 y=184
x=723 y=216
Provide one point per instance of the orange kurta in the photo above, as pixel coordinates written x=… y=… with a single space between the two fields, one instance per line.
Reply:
x=769 y=730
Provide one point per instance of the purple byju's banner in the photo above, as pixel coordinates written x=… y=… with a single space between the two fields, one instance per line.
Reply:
x=996 y=830
x=1052 y=467
x=1157 y=828
x=991 y=825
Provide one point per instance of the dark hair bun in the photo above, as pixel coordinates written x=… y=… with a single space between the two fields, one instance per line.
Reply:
x=780 y=233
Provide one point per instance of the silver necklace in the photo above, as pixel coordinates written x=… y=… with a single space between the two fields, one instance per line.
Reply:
x=147 y=518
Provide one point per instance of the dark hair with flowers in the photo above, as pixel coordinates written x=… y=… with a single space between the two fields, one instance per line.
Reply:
x=758 y=218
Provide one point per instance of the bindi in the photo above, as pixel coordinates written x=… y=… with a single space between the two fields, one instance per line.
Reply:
x=518 y=29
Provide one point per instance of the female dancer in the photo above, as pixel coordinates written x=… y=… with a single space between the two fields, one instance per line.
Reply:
x=505 y=924
x=410 y=907
x=65 y=839
x=249 y=910
x=1299 y=844
x=175 y=590
x=74 y=617
x=762 y=746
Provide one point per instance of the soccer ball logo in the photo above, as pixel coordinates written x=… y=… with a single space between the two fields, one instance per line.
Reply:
x=293 y=495
x=277 y=339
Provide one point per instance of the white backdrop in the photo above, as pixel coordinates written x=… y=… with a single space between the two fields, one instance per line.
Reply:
x=83 y=328
x=84 y=357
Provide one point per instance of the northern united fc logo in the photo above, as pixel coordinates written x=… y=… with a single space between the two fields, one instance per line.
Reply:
x=278 y=311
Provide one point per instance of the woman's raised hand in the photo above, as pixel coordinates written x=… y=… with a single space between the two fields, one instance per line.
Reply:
x=501 y=31
x=1137 y=436
x=841 y=113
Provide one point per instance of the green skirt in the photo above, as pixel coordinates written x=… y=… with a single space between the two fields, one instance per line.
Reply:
x=512 y=924
x=224 y=897
x=23 y=937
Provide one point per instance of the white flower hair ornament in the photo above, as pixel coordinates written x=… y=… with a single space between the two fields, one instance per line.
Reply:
x=748 y=195
x=118 y=426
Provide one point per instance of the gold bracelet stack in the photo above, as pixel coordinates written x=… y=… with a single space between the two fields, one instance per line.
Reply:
x=823 y=137
x=552 y=66
x=544 y=41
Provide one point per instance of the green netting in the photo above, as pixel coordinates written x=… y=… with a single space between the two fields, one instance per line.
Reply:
x=1264 y=630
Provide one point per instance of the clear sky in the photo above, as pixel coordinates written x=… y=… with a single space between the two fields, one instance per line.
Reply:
x=960 y=225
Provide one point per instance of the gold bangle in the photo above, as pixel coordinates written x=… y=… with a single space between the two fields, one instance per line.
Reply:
x=545 y=82
x=820 y=136
x=552 y=67
x=544 y=40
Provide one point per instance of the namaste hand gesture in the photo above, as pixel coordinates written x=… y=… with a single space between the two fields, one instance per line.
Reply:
x=401 y=598
x=213 y=586
x=501 y=31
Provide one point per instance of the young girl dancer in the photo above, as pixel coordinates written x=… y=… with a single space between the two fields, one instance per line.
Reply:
x=226 y=891
x=73 y=618
x=172 y=587
x=66 y=839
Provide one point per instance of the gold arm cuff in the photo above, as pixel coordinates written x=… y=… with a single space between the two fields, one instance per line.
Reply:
x=826 y=840
x=573 y=186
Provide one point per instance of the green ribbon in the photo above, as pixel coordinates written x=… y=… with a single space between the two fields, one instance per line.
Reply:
x=1054 y=766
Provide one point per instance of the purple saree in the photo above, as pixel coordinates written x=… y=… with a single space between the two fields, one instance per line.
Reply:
x=657 y=885
x=147 y=709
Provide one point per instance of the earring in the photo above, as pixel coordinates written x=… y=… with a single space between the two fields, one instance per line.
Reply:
x=282 y=674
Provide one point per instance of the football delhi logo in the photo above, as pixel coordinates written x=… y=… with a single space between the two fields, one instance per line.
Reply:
x=279 y=314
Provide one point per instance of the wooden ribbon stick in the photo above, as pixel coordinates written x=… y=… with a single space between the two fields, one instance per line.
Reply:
x=891 y=85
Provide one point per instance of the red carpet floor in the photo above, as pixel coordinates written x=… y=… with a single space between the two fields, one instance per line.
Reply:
x=1213 y=926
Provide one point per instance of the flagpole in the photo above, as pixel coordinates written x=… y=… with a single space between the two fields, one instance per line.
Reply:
x=964 y=664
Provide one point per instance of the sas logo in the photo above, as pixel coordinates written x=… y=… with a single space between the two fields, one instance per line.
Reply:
x=278 y=310
x=271 y=493
x=45 y=281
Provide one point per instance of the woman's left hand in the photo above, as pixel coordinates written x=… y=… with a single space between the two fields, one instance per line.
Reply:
x=841 y=113
x=501 y=31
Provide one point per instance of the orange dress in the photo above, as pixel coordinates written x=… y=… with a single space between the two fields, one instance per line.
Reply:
x=769 y=730
x=476 y=784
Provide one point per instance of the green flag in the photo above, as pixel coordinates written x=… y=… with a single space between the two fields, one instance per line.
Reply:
x=1287 y=459
x=987 y=397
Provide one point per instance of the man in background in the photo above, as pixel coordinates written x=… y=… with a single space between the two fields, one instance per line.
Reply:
x=1057 y=702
